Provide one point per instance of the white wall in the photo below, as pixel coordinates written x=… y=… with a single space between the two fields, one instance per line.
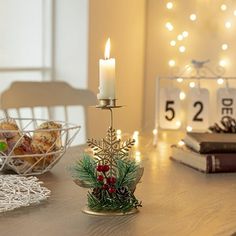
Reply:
x=71 y=42
x=21 y=33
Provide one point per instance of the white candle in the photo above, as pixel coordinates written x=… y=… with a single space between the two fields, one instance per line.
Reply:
x=107 y=75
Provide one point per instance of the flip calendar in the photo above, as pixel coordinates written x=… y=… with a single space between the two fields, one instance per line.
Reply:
x=184 y=106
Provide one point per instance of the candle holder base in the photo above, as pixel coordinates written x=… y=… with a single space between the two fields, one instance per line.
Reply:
x=88 y=211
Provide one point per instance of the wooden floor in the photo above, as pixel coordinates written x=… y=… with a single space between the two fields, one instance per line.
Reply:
x=177 y=200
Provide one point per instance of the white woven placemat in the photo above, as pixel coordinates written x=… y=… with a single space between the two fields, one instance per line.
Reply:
x=18 y=191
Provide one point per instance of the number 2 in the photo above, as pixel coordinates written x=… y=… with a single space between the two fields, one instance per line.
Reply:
x=196 y=117
x=170 y=110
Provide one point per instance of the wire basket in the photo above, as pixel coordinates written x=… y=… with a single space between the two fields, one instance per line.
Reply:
x=33 y=146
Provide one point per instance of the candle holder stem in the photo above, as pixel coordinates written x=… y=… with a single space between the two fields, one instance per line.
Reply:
x=108 y=104
x=111 y=117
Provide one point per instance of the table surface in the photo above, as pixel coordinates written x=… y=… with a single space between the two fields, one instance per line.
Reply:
x=177 y=200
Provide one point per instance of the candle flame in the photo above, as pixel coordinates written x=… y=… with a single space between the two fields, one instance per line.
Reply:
x=107 y=49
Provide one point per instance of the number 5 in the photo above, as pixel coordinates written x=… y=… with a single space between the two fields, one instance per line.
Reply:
x=170 y=110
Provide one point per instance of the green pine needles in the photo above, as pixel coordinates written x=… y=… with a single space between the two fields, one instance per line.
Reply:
x=109 y=192
x=84 y=170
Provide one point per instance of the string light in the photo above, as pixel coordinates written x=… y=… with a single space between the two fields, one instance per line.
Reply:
x=118 y=134
x=180 y=37
x=192 y=84
x=155 y=137
x=178 y=123
x=182 y=95
x=155 y=132
x=223 y=7
x=228 y=24
x=222 y=63
x=181 y=143
x=138 y=157
x=172 y=43
x=193 y=17
x=189 y=128
x=224 y=46
x=182 y=49
x=169 y=5
x=171 y=63
x=185 y=34
x=220 y=81
x=169 y=26
x=179 y=80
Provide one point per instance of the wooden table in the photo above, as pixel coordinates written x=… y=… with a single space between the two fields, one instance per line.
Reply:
x=177 y=200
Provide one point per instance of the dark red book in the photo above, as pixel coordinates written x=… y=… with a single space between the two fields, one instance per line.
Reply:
x=211 y=142
x=208 y=163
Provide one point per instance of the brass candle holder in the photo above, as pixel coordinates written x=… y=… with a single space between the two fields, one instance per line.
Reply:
x=107 y=103
x=112 y=174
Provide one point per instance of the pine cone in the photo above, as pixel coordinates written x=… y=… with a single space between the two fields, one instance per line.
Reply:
x=97 y=192
x=227 y=125
x=123 y=192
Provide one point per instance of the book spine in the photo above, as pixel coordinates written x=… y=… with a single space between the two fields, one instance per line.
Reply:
x=217 y=147
x=221 y=163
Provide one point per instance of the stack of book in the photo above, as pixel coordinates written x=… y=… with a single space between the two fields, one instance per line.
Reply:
x=207 y=152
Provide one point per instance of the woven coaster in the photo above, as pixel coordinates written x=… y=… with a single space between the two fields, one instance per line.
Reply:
x=18 y=191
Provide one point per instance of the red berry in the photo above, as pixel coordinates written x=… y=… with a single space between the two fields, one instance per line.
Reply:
x=106 y=168
x=100 y=168
x=111 y=180
x=112 y=190
x=105 y=186
x=100 y=178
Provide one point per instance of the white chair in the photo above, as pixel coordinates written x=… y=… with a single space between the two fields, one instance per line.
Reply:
x=47 y=95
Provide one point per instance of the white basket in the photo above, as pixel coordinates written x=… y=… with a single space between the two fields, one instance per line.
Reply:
x=47 y=154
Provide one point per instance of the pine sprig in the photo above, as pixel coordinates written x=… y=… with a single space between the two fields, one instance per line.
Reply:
x=85 y=170
x=109 y=192
x=112 y=202
x=127 y=173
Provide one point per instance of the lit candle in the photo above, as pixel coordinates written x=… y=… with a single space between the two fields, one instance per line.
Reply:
x=107 y=75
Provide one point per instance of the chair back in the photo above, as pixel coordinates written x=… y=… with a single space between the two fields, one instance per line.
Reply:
x=25 y=94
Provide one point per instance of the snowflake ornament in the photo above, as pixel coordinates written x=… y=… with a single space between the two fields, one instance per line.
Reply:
x=109 y=149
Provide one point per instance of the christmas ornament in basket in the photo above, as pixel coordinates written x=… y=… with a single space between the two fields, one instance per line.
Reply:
x=33 y=146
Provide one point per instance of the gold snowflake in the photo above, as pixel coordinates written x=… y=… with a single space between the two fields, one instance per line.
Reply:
x=109 y=149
